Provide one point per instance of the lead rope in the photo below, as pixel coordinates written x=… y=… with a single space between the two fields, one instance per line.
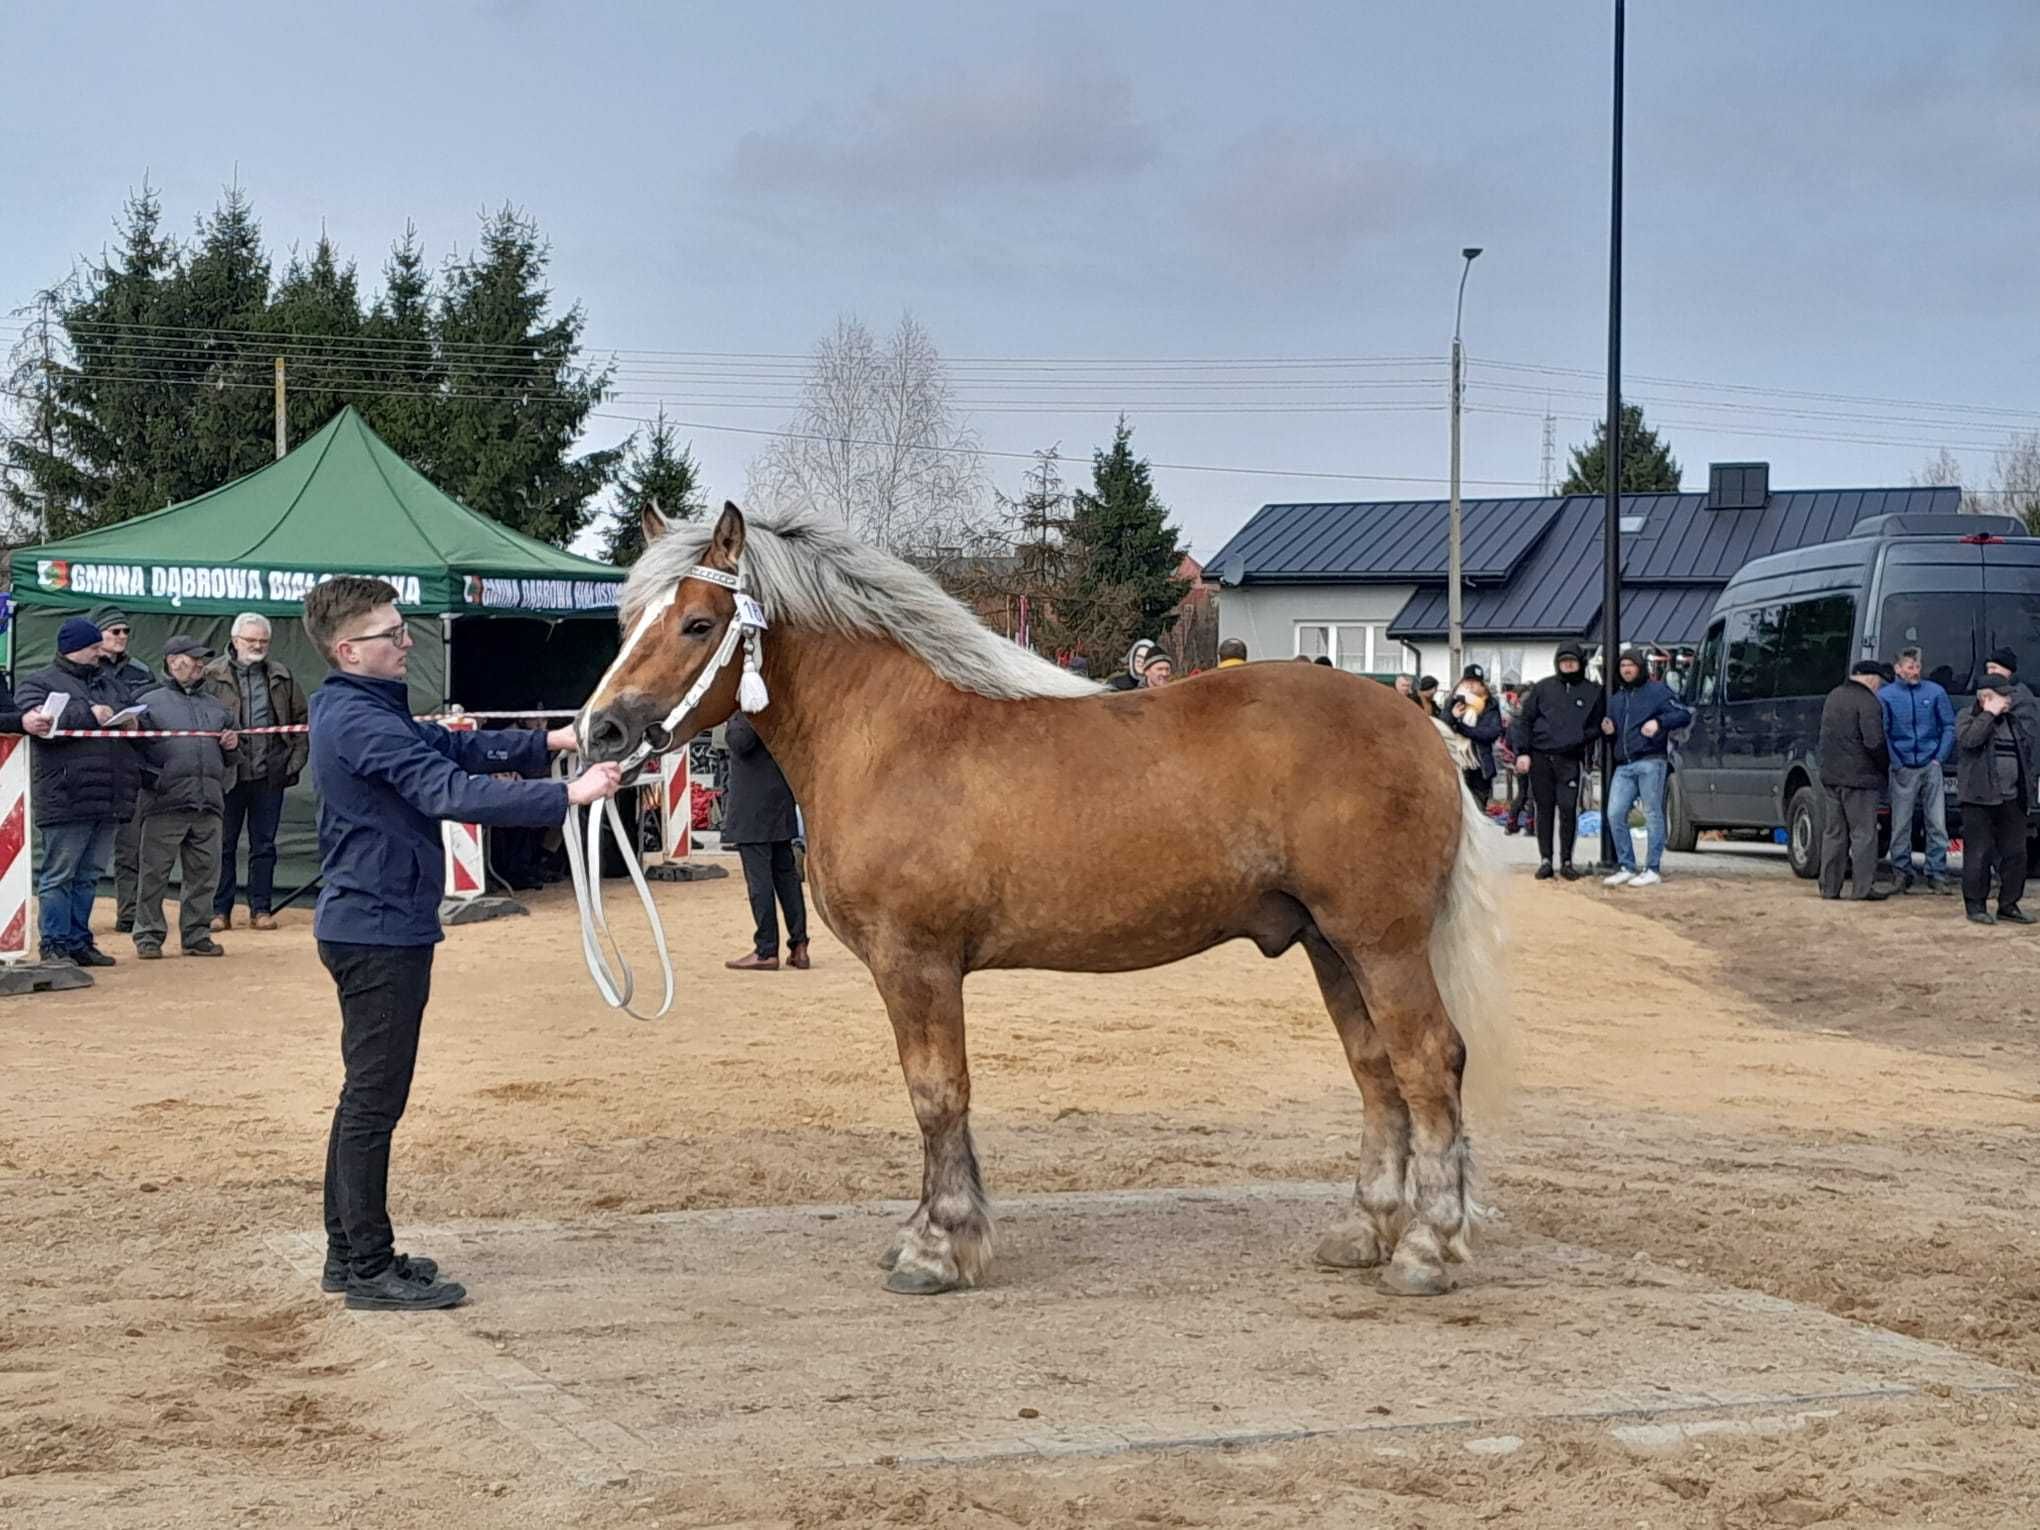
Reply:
x=606 y=965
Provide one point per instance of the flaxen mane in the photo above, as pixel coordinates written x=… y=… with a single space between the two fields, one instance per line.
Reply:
x=813 y=575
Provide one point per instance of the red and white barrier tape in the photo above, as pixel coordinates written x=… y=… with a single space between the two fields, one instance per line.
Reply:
x=438 y=717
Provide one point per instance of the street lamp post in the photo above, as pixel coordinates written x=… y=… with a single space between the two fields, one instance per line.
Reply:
x=1456 y=637
x=1611 y=510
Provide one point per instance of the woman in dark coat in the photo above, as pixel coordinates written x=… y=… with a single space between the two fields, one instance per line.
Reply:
x=758 y=818
x=1475 y=718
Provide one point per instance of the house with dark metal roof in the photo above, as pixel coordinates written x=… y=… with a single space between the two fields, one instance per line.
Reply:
x=1366 y=583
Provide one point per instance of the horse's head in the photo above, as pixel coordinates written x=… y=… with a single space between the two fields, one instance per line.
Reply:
x=680 y=641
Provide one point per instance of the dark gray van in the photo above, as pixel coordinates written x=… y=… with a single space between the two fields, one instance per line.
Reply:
x=1785 y=631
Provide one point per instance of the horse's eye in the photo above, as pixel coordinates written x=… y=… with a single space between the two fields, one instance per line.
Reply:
x=698 y=626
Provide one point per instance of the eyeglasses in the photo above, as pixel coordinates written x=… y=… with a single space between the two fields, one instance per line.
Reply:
x=113 y=631
x=400 y=635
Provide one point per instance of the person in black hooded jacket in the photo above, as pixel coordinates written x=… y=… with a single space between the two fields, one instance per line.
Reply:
x=1557 y=723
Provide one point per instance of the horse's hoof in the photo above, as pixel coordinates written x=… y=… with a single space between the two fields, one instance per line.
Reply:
x=1401 y=1279
x=914 y=1281
x=1349 y=1251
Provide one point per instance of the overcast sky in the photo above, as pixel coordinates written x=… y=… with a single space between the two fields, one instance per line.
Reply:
x=1829 y=197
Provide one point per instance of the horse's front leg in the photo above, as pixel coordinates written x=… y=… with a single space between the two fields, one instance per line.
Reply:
x=947 y=1243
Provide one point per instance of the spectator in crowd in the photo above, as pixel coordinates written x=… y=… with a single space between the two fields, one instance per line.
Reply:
x=1996 y=742
x=1919 y=732
x=1474 y=716
x=1136 y=659
x=132 y=678
x=258 y=692
x=1231 y=652
x=1079 y=665
x=1643 y=714
x=385 y=784
x=1560 y=716
x=14 y=720
x=183 y=798
x=1406 y=687
x=759 y=819
x=1158 y=671
x=1324 y=659
x=1853 y=764
x=83 y=789
x=1427 y=694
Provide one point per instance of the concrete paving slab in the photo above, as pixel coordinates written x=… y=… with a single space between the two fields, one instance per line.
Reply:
x=733 y=1341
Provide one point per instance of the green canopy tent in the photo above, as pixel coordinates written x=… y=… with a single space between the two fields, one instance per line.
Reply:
x=501 y=621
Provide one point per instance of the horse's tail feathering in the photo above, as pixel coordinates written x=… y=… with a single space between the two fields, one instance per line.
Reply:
x=1466 y=963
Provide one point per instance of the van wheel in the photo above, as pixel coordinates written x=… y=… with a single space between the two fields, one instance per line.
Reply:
x=1802 y=840
x=1681 y=833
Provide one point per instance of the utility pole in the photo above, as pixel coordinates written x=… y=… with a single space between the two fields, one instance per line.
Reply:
x=1611 y=516
x=282 y=415
x=1456 y=638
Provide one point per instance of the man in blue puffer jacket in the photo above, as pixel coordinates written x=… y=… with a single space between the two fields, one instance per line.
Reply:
x=1643 y=714
x=1919 y=730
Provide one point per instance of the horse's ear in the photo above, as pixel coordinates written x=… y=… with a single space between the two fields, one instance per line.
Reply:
x=652 y=520
x=727 y=545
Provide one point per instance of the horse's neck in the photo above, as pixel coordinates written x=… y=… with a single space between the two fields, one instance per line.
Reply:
x=824 y=693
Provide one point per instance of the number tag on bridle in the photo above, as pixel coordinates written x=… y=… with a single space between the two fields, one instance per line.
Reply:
x=749 y=612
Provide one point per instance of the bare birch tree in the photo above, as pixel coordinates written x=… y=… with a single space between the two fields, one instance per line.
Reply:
x=880 y=444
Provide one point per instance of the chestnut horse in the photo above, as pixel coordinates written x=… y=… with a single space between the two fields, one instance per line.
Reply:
x=969 y=806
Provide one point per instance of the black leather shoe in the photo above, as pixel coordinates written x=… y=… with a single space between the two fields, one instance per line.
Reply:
x=149 y=953
x=92 y=956
x=1982 y=916
x=2017 y=915
x=391 y=1292
x=411 y=1267
x=206 y=947
x=1569 y=871
x=1544 y=872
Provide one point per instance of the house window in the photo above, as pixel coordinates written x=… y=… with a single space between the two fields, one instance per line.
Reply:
x=1359 y=648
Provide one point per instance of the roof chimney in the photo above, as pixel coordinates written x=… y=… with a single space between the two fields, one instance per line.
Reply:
x=1738 y=485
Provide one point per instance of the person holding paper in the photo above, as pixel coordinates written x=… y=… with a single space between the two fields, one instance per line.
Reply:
x=133 y=678
x=83 y=789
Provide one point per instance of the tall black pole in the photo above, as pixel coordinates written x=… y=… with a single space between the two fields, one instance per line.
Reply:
x=1611 y=518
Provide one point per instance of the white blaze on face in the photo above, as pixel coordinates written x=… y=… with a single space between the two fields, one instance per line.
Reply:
x=647 y=619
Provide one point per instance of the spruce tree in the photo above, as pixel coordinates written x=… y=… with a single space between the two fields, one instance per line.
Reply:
x=654 y=473
x=220 y=302
x=316 y=317
x=400 y=358
x=1124 y=555
x=516 y=393
x=1648 y=466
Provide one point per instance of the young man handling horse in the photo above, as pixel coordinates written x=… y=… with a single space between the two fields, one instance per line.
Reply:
x=384 y=784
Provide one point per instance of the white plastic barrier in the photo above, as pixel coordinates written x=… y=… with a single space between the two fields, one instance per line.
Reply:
x=17 y=885
x=466 y=871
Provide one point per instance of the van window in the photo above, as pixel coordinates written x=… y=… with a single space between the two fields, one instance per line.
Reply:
x=1813 y=653
x=1753 y=641
x=1706 y=684
x=1955 y=631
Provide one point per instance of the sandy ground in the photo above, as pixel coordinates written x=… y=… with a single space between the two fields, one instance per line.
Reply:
x=1830 y=1104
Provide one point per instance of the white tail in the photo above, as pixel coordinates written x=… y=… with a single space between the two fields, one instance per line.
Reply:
x=1466 y=964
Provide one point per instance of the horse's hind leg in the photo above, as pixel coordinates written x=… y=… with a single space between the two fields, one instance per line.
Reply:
x=1428 y=1058
x=1369 y=1236
x=947 y=1242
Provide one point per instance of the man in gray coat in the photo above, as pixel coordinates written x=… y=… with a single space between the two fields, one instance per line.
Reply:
x=1853 y=765
x=183 y=801
x=758 y=819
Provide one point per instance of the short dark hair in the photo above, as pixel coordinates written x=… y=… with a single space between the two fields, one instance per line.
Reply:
x=332 y=605
x=1232 y=648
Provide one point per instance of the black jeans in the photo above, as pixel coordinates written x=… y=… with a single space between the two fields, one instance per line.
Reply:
x=383 y=990
x=768 y=869
x=1993 y=833
x=1555 y=788
x=1848 y=841
x=260 y=806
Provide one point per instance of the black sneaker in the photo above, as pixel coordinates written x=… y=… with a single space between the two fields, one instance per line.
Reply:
x=2017 y=915
x=410 y=1266
x=149 y=953
x=56 y=956
x=1982 y=916
x=1544 y=872
x=1569 y=871
x=391 y=1292
x=206 y=947
x=92 y=956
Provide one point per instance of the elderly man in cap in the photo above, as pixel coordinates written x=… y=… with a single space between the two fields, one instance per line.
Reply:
x=1854 y=763
x=133 y=679
x=183 y=799
x=258 y=692
x=83 y=789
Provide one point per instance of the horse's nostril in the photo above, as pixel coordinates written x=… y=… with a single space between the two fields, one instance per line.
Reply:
x=607 y=739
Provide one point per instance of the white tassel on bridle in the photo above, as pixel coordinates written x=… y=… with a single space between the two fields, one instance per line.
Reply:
x=612 y=974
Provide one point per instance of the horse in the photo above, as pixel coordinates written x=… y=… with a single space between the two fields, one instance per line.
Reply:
x=970 y=806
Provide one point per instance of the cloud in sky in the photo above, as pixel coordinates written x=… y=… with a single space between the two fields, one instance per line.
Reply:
x=1054 y=123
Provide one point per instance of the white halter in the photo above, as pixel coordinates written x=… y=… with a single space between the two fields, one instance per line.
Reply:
x=598 y=947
